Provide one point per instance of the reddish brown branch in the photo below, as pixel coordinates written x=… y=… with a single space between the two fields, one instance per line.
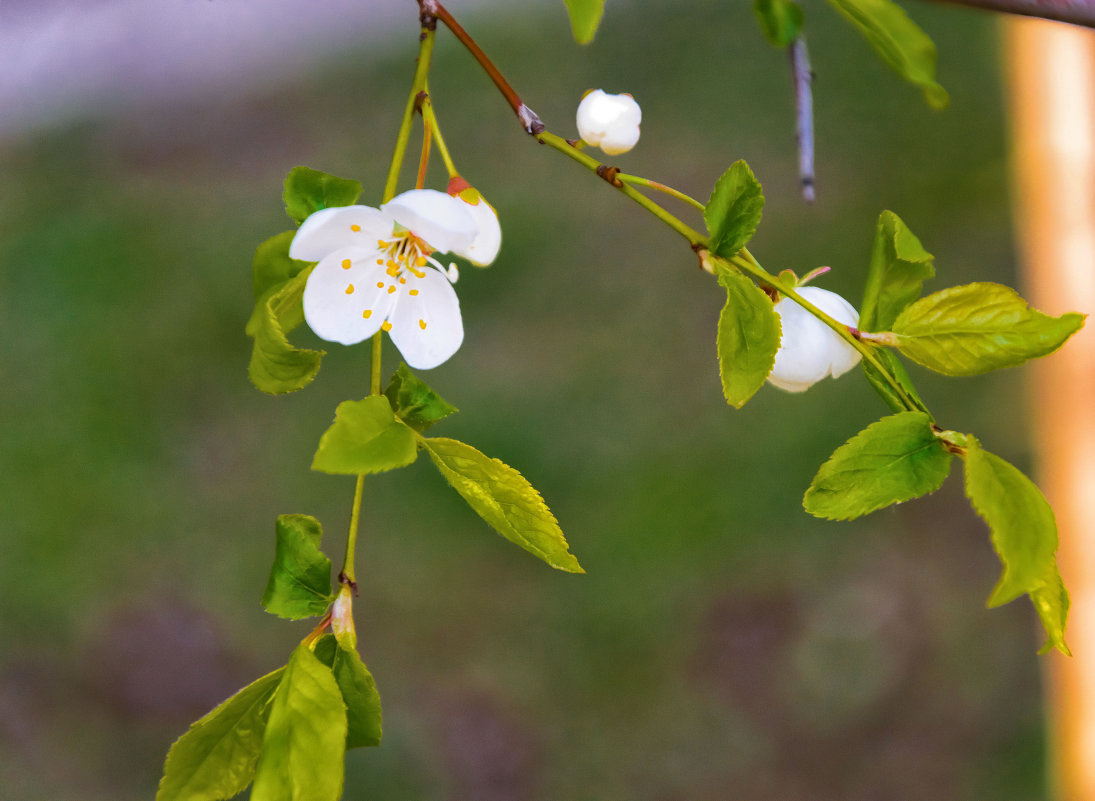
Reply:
x=431 y=9
x=1077 y=12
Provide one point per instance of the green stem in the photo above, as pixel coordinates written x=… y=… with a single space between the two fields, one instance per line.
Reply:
x=635 y=179
x=431 y=122
x=347 y=575
x=418 y=85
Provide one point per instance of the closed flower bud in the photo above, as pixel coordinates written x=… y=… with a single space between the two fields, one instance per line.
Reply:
x=809 y=350
x=610 y=122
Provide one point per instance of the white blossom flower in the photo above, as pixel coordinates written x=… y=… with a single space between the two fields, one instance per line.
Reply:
x=610 y=122
x=376 y=271
x=809 y=350
x=484 y=248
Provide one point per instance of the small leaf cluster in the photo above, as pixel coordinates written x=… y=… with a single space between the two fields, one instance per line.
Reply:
x=288 y=731
x=960 y=331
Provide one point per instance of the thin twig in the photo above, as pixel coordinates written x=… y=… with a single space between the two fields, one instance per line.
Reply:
x=804 y=105
x=1077 y=12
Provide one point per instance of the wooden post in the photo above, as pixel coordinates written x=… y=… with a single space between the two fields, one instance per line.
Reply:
x=1050 y=70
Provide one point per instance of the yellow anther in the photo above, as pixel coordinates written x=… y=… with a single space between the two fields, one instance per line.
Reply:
x=386 y=326
x=346 y=264
x=380 y=262
x=402 y=280
x=422 y=324
x=417 y=273
x=393 y=271
x=367 y=313
x=355 y=228
x=380 y=243
x=391 y=289
x=421 y=261
x=413 y=292
x=350 y=289
x=379 y=284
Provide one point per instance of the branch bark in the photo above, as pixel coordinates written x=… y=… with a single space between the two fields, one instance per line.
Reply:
x=1076 y=12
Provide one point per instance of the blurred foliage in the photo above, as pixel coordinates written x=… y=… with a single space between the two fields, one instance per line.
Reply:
x=721 y=638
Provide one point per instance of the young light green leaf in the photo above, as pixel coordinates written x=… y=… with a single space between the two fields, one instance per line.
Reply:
x=304 y=744
x=300 y=579
x=272 y=267
x=886 y=391
x=414 y=402
x=215 y=759
x=1024 y=534
x=363 y=713
x=734 y=210
x=899 y=41
x=781 y=20
x=366 y=437
x=748 y=338
x=899 y=268
x=504 y=499
x=895 y=459
x=308 y=191
x=585 y=17
x=975 y=328
x=276 y=366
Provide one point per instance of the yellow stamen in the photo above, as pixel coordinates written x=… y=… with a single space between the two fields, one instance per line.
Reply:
x=345 y=264
x=367 y=313
x=380 y=262
x=402 y=280
x=391 y=289
x=420 y=261
x=350 y=289
x=379 y=284
x=422 y=324
x=386 y=326
x=393 y=271
x=417 y=273
x=355 y=228
x=414 y=292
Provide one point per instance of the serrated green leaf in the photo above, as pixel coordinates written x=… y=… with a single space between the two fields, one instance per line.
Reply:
x=975 y=328
x=300 y=578
x=895 y=401
x=899 y=41
x=748 y=338
x=585 y=18
x=414 y=402
x=781 y=20
x=363 y=712
x=304 y=744
x=895 y=459
x=215 y=759
x=504 y=499
x=899 y=267
x=308 y=191
x=366 y=437
x=734 y=210
x=1024 y=534
x=276 y=366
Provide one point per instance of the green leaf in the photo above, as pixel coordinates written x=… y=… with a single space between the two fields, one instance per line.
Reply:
x=272 y=267
x=1024 y=534
x=899 y=268
x=363 y=713
x=504 y=499
x=883 y=387
x=748 y=338
x=781 y=20
x=414 y=402
x=300 y=579
x=308 y=191
x=305 y=740
x=216 y=758
x=734 y=210
x=276 y=366
x=975 y=328
x=366 y=438
x=899 y=41
x=895 y=459
x=585 y=17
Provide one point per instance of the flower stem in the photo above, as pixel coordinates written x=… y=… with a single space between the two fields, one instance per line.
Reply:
x=430 y=121
x=347 y=574
x=635 y=179
x=418 y=85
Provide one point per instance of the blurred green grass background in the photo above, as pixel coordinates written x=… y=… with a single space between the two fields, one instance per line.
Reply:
x=722 y=645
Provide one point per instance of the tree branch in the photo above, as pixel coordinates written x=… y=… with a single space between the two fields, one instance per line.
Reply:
x=1076 y=12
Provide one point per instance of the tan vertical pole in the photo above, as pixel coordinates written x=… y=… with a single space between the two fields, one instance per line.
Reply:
x=1050 y=70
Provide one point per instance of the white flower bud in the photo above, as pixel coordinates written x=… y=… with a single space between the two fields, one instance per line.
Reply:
x=809 y=350
x=610 y=122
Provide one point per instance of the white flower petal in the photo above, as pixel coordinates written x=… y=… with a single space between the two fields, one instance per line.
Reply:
x=426 y=323
x=810 y=350
x=484 y=248
x=347 y=296
x=339 y=227
x=439 y=219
